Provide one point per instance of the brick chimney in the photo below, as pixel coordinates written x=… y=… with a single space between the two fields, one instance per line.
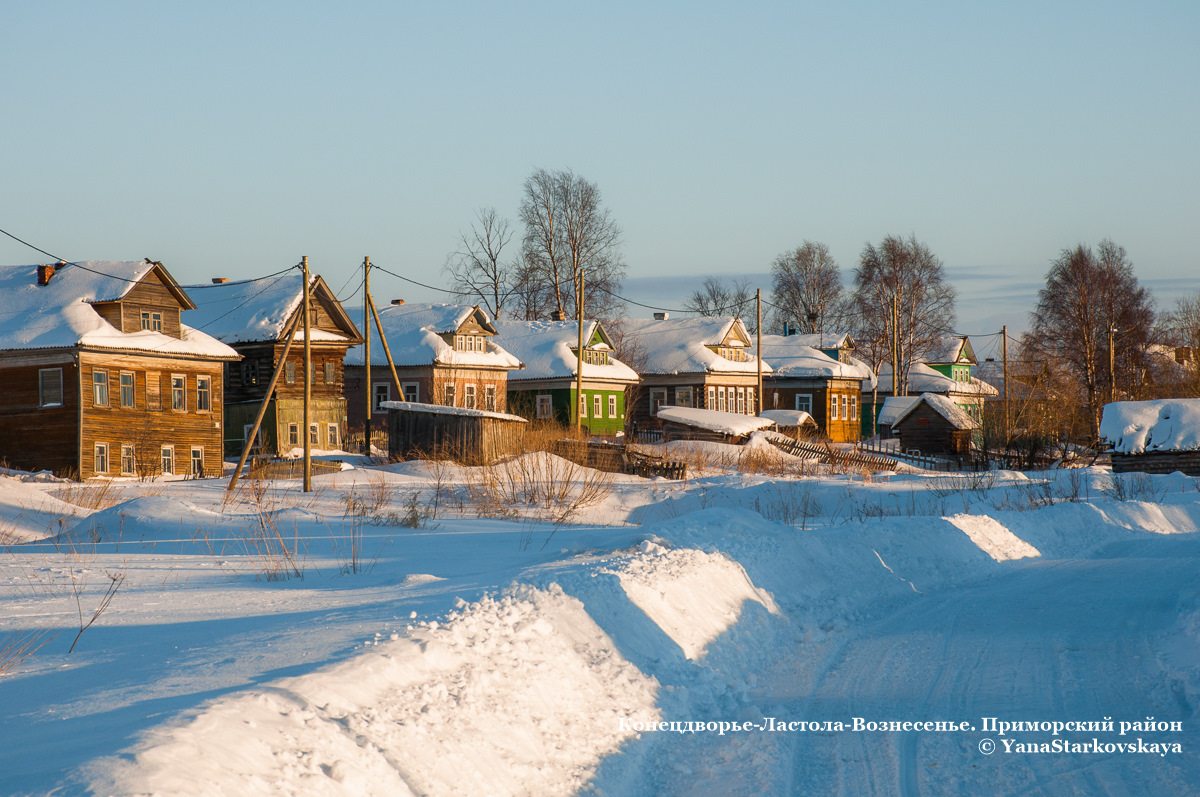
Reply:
x=558 y=315
x=45 y=273
x=219 y=280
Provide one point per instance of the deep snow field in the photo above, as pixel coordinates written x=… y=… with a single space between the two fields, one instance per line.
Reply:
x=276 y=642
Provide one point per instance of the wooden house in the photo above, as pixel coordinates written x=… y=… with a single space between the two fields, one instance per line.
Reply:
x=1160 y=436
x=546 y=388
x=706 y=363
x=470 y=436
x=809 y=380
x=253 y=317
x=934 y=424
x=444 y=354
x=102 y=376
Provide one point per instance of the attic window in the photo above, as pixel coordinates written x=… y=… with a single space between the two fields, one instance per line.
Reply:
x=152 y=321
x=469 y=343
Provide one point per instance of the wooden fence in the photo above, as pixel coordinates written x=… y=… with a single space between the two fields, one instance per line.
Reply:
x=618 y=458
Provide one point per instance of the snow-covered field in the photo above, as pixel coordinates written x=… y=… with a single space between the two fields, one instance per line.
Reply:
x=378 y=637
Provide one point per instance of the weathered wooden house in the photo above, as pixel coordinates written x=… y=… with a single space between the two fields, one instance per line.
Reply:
x=444 y=354
x=471 y=436
x=706 y=363
x=690 y=423
x=253 y=317
x=934 y=424
x=546 y=388
x=102 y=377
x=1161 y=436
x=808 y=379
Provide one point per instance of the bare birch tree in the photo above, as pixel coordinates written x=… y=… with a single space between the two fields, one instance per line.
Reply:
x=716 y=298
x=907 y=275
x=806 y=290
x=478 y=267
x=568 y=230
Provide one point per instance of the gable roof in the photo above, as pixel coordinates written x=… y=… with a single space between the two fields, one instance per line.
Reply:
x=952 y=349
x=414 y=335
x=791 y=356
x=60 y=314
x=822 y=340
x=944 y=407
x=548 y=350
x=1139 y=427
x=680 y=345
x=259 y=310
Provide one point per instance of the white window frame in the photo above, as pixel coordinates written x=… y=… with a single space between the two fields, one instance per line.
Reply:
x=741 y=401
x=377 y=399
x=128 y=459
x=469 y=396
x=659 y=393
x=751 y=407
x=854 y=408
x=833 y=405
x=583 y=405
x=411 y=391
x=845 y=407
x=192 y=460
x=42 y=387
x=449 y=394
x=711 y=404
x=597 y=405
x=294 y=434
x=179 y=393
x=489 y=397
x=806 y=400
x=132 y=389
x=721 y=399
x=203 y=394
x=99 y=387
x=166 y=459
x=683 y=396
x=544 y=406
x=612 y=406
x=332 y=435
x=314 y=435
x=100 y=458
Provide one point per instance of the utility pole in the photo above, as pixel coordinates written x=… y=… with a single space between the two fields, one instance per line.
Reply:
x=895 y=345
x=1007 y=416
x=758 y=346
x=308 y=374
x=579 y=359
x=367 y=355
x=1112 y=363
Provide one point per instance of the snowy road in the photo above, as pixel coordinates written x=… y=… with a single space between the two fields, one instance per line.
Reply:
x=1048 y=640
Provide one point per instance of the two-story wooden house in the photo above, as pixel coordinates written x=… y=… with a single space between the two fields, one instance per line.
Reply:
x=253 y=317
x=546 y=388
x=102 y=377
x=804 y=378
x=444 y=354
x=708 y=363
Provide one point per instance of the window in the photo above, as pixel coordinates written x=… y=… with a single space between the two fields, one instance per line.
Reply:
x=658 y=397
x=128 y=463
x=751 y=407
x=489 y=398
x=383 y=392
x=50 y=387
x=612 y=406
x=126 y=388
x=545 y=405
x=330 y=376
x=583 y=405
x=152 y=321
x=845 y=408
x=712 y=398
x=683 y=397
x=168 y=459
x=412 y=391
x=314 y=435
x=153 y=390
x=293 y=434
x=804 y=402
x=741 y=400
x=854 y=408
x=332 y=431
x=469 y=396
x=198 y=462
x=597 y=405
x=249 y=372
x=448 y=395
x=775 y=399
x=100 y=388
x=289 y=372
x=833 y=413
x=101 y=461
x=203 y=394
x=178 y=399
x=720 y=399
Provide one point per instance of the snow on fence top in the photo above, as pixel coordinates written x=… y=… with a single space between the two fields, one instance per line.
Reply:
x=547 y=349
x=1140 y=427
x=714 y=421
x=414 y=334
x=441 y=409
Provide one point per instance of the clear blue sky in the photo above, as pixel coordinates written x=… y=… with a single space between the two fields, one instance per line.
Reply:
x=230 y=139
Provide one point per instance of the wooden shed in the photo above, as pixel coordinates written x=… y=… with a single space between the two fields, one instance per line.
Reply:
x=474 y=437
x=689 y=423
x=1160 y=436
x=935 y=425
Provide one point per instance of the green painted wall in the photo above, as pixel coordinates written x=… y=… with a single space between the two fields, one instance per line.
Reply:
x=563 y=404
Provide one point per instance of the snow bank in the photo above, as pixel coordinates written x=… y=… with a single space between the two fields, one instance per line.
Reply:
x=992 y=538
x=1138 y=427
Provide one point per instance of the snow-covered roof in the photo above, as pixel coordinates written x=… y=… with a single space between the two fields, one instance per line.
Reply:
x=790 y=356
x=714 y=421
x=788 y=417
x=821 y=340
x=894 y=407
x=441 y=409
x=259 y=310
x=952 y=349
x=944 y=407
x=414 y=336
x=60 y=314
x=1139 y=427
x=923 y=378
x=680 y=345
x=548 y=350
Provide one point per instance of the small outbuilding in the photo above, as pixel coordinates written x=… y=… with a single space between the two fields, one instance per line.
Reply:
x=934 y=424
x=793 y=423
x=1160 y=436
x=470 y=436
x=690 y=423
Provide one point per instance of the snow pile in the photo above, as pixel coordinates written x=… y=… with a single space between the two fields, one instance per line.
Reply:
x=1138 y=427
x=518 y=695
x=714 y=420
x=993 y=538
x=691 y=595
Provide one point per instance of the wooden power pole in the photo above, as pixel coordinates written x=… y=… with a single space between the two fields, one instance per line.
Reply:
x=579 y=407
x=308 y=375
x=758 y=345
x=1007 y=415
x=367 y=356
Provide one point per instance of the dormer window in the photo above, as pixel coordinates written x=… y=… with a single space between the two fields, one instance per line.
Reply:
x=152 y=321
x=469 y=343
x=593 y=357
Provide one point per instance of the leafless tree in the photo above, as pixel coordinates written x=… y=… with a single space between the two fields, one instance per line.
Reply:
x=1179 y=329
x=1087 y=295
x=629 y=349
x=806 y=290
x=717 y=298
x=478 y=267
x=906 y=274
x=568 y=230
